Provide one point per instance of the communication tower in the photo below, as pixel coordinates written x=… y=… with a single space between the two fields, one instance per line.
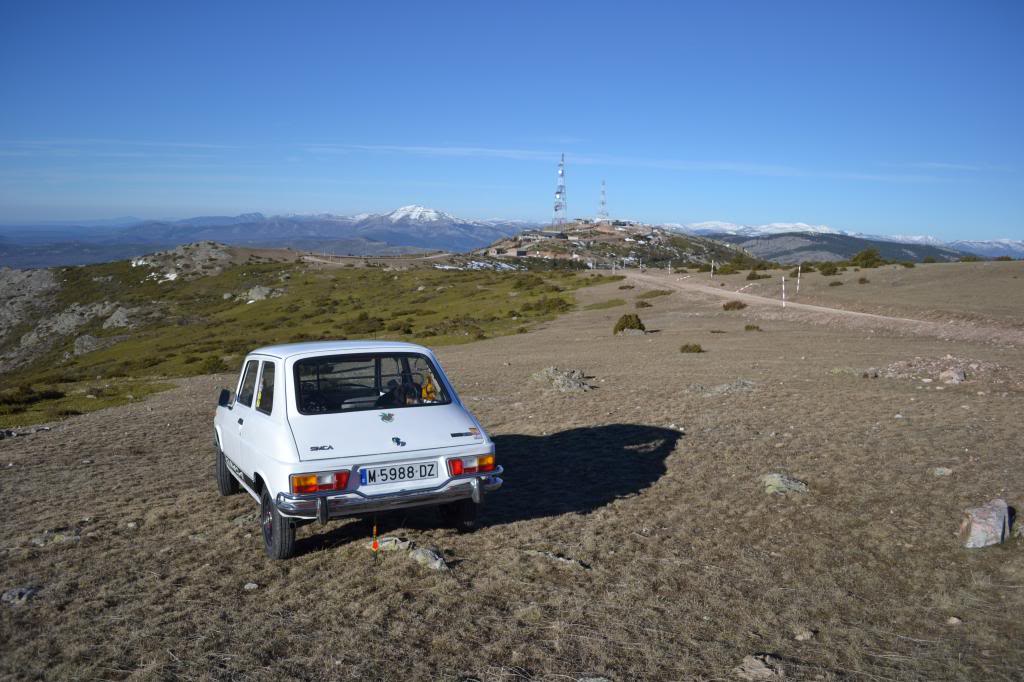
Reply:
x=602 y=214
x=560 y=206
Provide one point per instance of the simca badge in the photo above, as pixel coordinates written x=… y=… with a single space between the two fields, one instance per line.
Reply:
x=387 y=417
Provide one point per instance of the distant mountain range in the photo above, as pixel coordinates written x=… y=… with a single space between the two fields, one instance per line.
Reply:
x=832 y=244
x=407 y=229
x=416 y=228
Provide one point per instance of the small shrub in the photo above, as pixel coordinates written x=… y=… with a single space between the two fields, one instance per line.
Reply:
x=718 y=331
x=629 y=321
x=734 y=305
x=754 y=274
x=213 y=365
x=828 y=268
x=626 y=286
x=929 y=259
x=752 y=328
x=835 y=284
x=907 y=263
x=691 y=348
x=642 y=304
x=863 y=280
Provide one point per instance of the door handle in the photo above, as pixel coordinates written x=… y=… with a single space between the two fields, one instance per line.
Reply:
x=240 y=421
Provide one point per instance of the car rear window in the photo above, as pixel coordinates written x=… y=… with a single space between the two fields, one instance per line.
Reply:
x=346 y=383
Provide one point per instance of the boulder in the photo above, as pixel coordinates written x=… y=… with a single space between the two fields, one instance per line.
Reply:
x=564 y=380
x=986 y=525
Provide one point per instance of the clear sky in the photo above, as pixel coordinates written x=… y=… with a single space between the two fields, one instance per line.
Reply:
x=880 y=117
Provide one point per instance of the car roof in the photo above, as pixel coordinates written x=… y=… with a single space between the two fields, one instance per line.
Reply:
x=287 y=350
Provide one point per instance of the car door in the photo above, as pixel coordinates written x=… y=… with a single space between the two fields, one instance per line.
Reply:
x=241 y=413
x=262 y=432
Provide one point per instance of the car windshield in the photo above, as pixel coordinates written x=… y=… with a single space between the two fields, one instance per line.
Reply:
x=344 y=383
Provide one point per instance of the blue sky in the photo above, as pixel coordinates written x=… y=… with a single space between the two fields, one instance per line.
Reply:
x=887 y=117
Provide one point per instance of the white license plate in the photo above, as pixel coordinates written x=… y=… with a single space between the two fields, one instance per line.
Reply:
x=395 y=473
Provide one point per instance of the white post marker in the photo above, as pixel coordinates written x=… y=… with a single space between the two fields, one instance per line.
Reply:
x=712 y=269
x=783 y=291
x=798 y=268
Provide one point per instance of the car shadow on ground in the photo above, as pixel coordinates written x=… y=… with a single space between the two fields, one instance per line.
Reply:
x=573 y=471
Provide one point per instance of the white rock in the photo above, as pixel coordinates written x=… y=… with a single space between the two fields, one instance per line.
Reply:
x=953 y=620
x=986 y=525
x=249 y=587
x=953 y=375
x=762 y=667
x=941 y=471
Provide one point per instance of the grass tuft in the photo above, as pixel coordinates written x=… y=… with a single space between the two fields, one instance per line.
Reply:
x=734 y=305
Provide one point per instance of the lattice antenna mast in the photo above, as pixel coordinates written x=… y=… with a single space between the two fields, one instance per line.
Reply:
x=602 y=214
x=560 y=205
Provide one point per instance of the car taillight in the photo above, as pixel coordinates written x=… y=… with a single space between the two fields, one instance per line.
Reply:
x=319 y=482
x=457 y=466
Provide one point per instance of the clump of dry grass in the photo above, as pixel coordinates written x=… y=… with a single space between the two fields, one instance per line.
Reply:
x=734 y=305
x=863 y=280
x=691 y=348
x=835 y=284
x=752 y=328
x=642 y=304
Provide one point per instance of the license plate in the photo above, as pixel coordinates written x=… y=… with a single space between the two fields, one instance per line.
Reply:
x=397 y=472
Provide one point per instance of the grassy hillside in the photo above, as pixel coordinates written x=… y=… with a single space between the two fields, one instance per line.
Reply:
x=207 y=324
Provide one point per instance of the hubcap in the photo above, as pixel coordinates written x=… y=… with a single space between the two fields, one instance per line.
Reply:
x=267 y=521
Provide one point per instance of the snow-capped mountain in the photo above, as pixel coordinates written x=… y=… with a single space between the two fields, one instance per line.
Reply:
x=993 y=248
x=720 y=227
x=987 y=248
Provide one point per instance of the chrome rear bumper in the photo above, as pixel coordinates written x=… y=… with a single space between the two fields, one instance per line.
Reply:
x=332 y=505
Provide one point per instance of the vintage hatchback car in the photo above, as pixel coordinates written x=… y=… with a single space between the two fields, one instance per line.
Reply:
x=318 y=431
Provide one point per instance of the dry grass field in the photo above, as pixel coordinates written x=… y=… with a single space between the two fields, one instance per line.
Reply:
x=682 y=564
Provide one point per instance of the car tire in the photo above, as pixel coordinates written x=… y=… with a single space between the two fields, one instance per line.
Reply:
x=278 y=531
x=461 y=515
x=226 y=483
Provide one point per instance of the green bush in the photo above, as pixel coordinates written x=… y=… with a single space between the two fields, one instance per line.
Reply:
x=868 y=258
x=929 y=259
x=754 y=274
x=734 y=305
x=691 y=348
x=751 y=328
x=626 y=286
x=907 y=263
x=629 y=321
x=970 y=258
x=213 y=365
x=835 y=284
x=828 y=268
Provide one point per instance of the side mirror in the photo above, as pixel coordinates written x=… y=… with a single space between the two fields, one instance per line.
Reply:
x=224 y=400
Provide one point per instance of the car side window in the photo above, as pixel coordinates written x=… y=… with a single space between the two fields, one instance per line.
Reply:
x=265 y=395
x=248 y=387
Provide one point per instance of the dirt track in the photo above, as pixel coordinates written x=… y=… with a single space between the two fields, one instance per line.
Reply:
x=950 y=330
x=650 y=480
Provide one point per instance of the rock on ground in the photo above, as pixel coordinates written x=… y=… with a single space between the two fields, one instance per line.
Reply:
x=18 y=596
x=760 y=667
x=986 y=525
x=428 y=558
x=781 y=484
x=564 y=380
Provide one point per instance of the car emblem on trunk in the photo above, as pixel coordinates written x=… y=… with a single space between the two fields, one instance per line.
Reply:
x=387 y=417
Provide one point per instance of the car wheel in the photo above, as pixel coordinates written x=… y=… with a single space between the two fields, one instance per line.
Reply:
x=226 y=483
x=461 y=515
x=278 y=531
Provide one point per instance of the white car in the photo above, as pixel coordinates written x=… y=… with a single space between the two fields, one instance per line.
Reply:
x=322 y=430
